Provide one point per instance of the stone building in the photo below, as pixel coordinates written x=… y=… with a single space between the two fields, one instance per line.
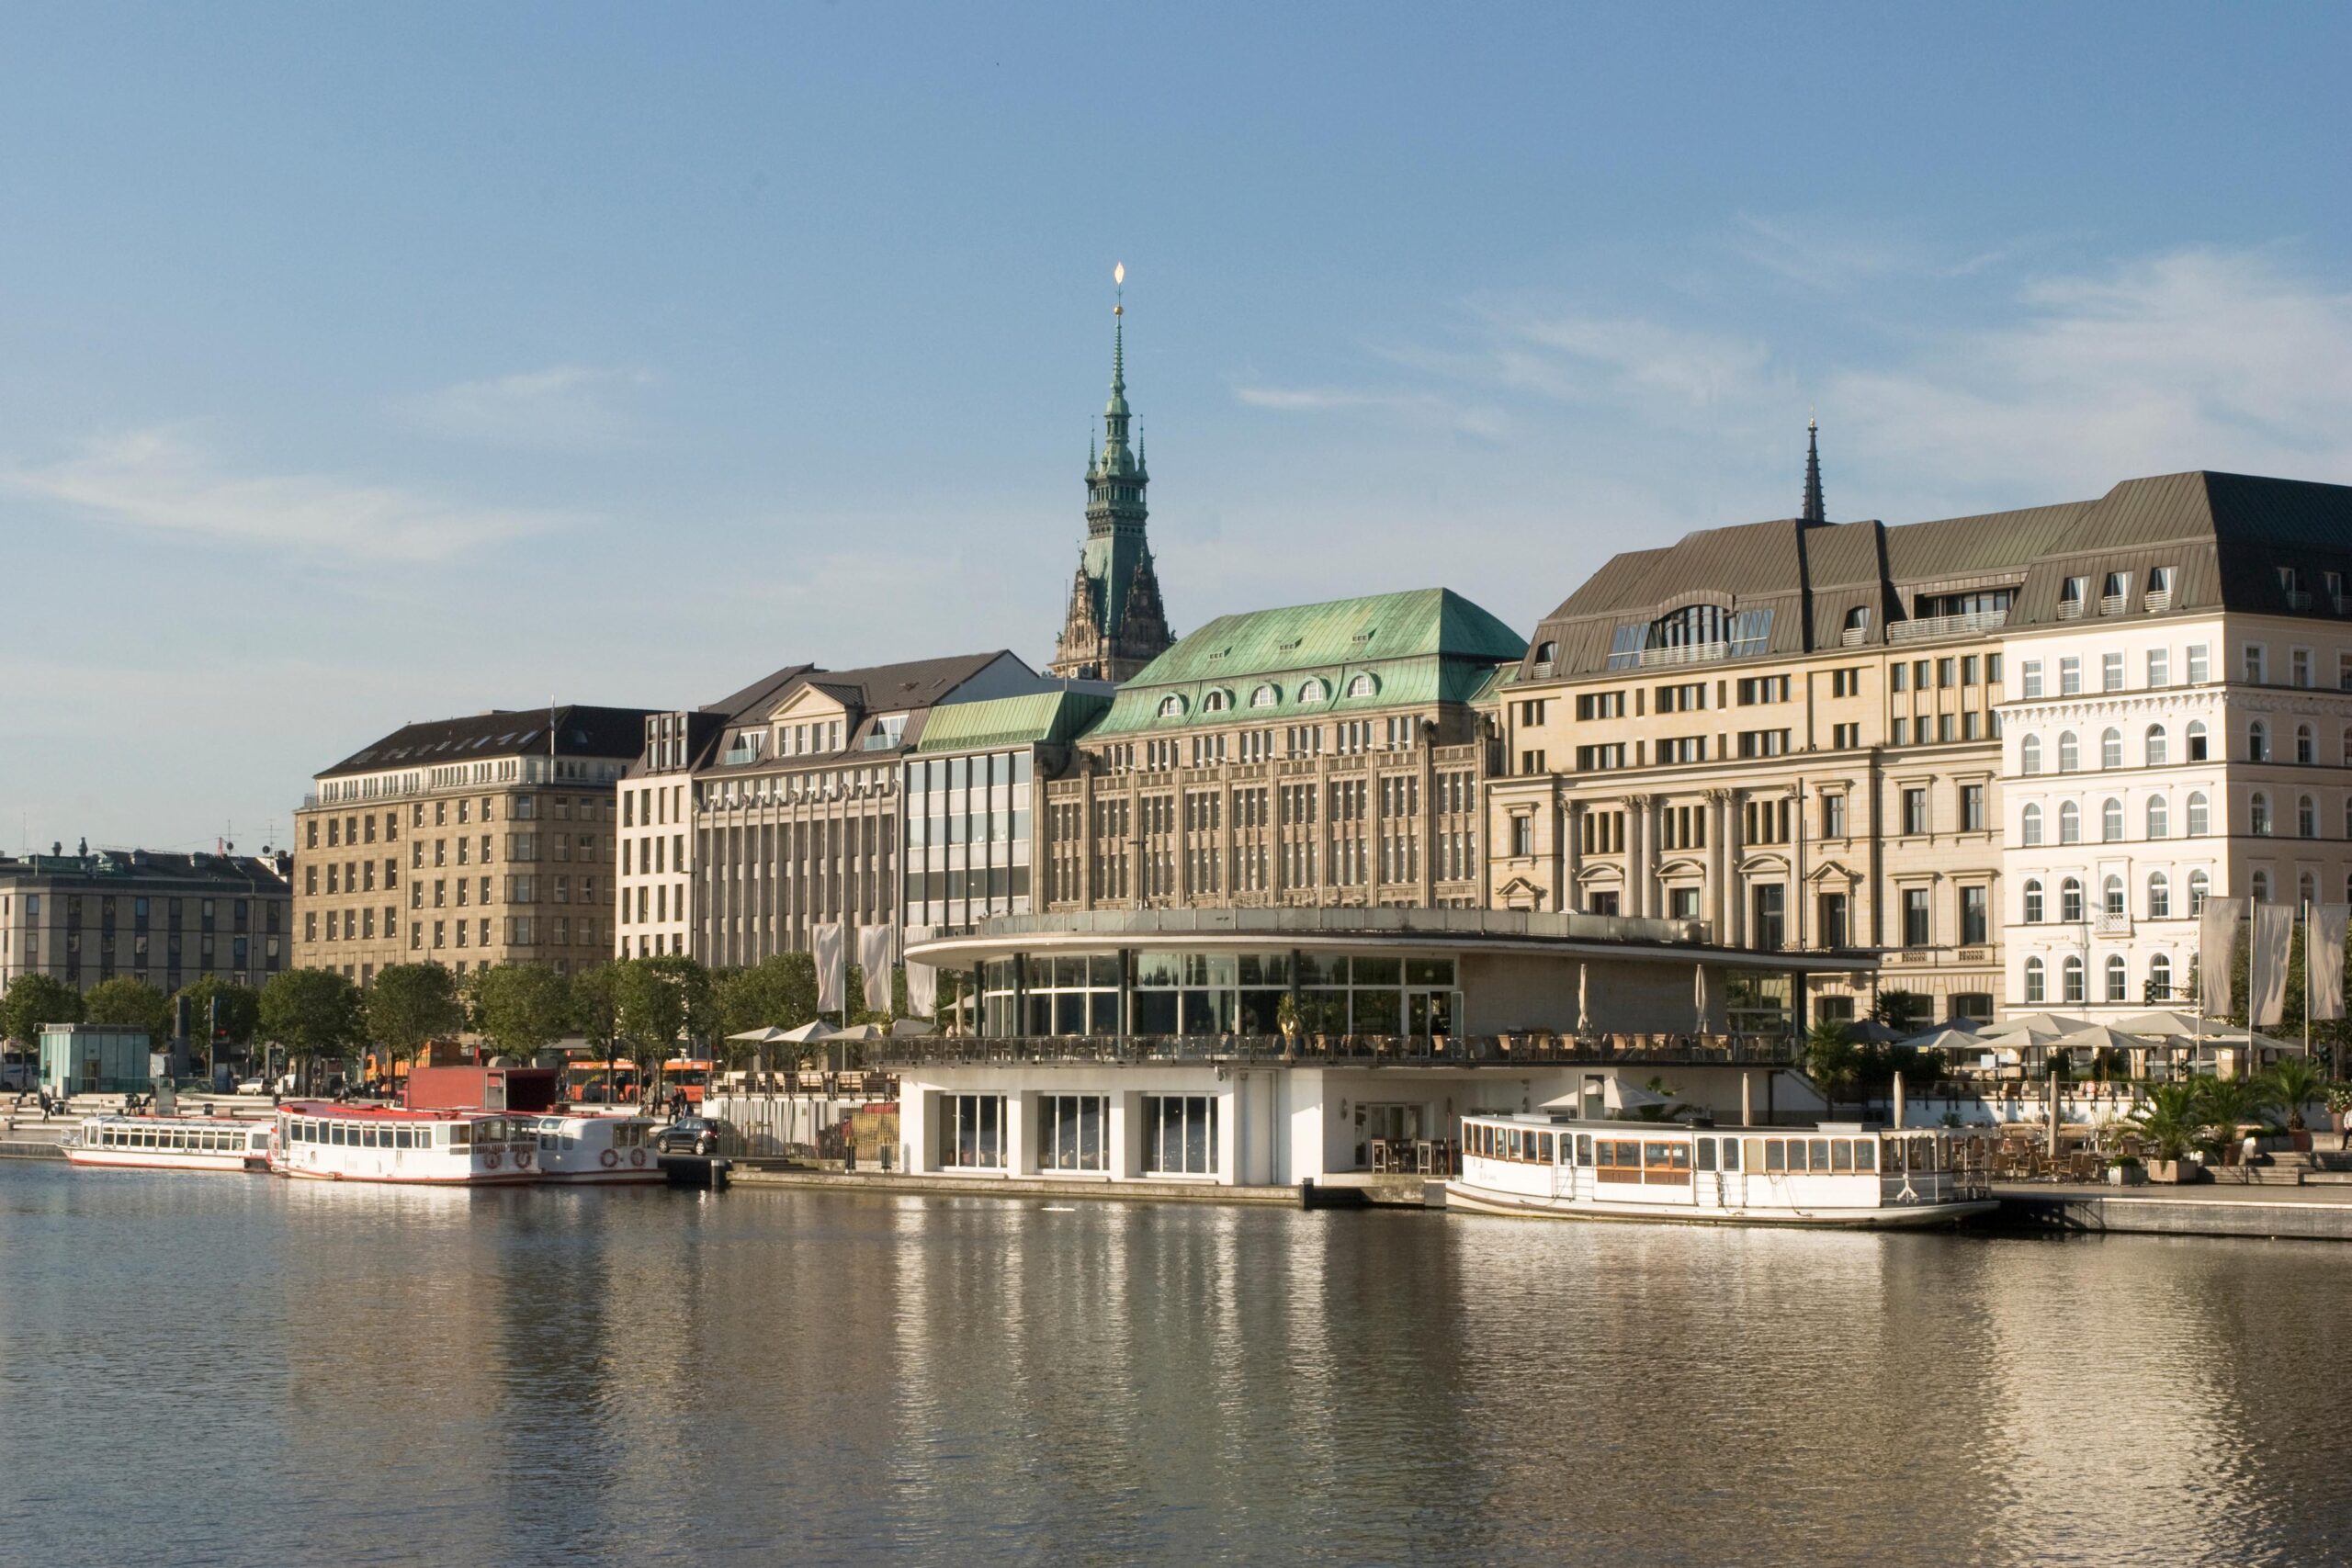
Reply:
x=467 y=842
x=1115 y=623
x=168 y=919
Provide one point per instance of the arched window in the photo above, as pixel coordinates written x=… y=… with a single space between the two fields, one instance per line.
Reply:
x=1171 y=707
x=2069 y=754
x=1265 y=695
x=2260 y=888
x=2029 y=827
x=2070 y=823
x=2159 y=816
x=2037 y=981
x=2156 y=745
x=2033 y=901
x=2307 y=888
x=2196 y=739
x=2119 y=980
x=2110 y=893
x=2073 y=991
x=2159 y=895
x=2306 y=745
x=1315 y=690
x=2258 y=742
x=2111 y=748
x=2070 y=901
x=2030 y=754
x=2160 y=978
x=1215 y=702
x=2199 y=885
x=1362 y=685
x=2111 y=821
x=2199 y=815
x=2307 y=817
x=2258 y=805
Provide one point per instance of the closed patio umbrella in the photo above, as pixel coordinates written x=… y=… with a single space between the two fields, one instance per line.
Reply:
x=2040 y=1022
x=1583 y=1018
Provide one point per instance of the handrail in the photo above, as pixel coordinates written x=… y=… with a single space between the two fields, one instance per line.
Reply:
x=1515 y=1050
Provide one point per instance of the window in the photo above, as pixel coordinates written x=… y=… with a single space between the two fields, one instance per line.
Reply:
x=1833 y=816
x=2257 y=663
x=2037 y=984
x=1265 y=696
x=2307 y=888
x=2159 y=895
x=1171 y=707
x=2070 y=823
x=2112 y=592
x=2160 y=978
x=1215 y=702
x=1601 y=704
x=2197 y=740
x=1763 y=742
x=1899 y=678
x=2258 y=806
x=2299 y=666
x=2029 y=826
x=1914 y=810
x=2197 y=885
x=2031 y=670
x=1073 y=1132
x=2069 y=753
x=971 y=1131
x=2306 y=745
x=2306 y=817
x=2258 y=742
x=2030 y=754
x=2070 y=676
x=2070 y=597
x=2200 y=823
x=1915 y=916
x=2033 y=901
x=2111 y=821
x=2111 y=748
x=1975 y=923
x=2072 y=982
x=1971 y=809
x=2155 y=746
x=2110 y=673
x=1546 y=655
x=2070 y=901
x=2159 y=667
x=1362 y=685
x=1522 y=836
x=2117 y=979
x=1833 y=923
x=1179 y=1134
x=2159 y=816
x=2260 y=888
x=1314 y=690
x=2199 y=664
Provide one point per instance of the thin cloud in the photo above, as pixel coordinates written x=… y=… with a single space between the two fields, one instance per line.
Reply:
x=1832 y=253
x=1428 y=408
x=563 y=408
x=166 y=481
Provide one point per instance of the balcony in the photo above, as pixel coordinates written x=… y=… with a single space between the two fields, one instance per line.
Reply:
x=2299 y=598
x=2070 y=609
x=2155 y=600
x=1934 y=626
x=1507 y=1051
x=2111 y=923
x=2112 y=605
x=1684 y=653
x=1853 y=637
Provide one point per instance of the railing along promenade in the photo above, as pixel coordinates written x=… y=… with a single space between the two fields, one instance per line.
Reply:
x=1335 y=1050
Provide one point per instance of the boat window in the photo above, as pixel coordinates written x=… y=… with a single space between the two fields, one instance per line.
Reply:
x=1820 y=1149
x=1706 y=1154
x=1866 y=1155
x=1731 y=1153
x=1841 y=1154
x=1584 y=1148
x=460 y=1135
x=1544 y=1139
x=1668 y=1163
x=1775 y=1154
x=1617 y=1160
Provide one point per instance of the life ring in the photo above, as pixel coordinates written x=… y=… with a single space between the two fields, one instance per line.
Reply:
x=636 y=1157
x=522 y=1159
x=490 y=1160
x=610 y=1158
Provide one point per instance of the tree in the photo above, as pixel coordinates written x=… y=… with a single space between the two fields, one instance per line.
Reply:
x=2292 y=1083
x=408 y=1008
x=778 y=992
x=130 y=1003
x=521 y=1008
x=239 y=1012
x=1902 y=1010
x=34 y=999
x=2166 y=1120
x=310 y=1012
x=1830 y=1059
x=2223 y=1106
x=595 y=1006
x=660 y=1001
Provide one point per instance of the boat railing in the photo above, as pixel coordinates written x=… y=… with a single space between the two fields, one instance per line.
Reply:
x=1509 y=1050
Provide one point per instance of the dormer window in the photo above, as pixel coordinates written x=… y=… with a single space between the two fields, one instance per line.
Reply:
x=1315 y=690
x=1265 y=696
x=1857 y=627
x=1363 y=686
x=1546 y=658
x=2159 y=593
x=2070 y=597
x=2112 y=594
x=1171 y=707
x=1215 y=702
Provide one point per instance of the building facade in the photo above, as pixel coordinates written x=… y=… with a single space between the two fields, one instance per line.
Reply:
x=1115 y=623
x=465 y=842
x=166 y=919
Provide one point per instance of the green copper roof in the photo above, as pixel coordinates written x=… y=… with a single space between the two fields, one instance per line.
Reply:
x=1038 y=719
x=1280 y=666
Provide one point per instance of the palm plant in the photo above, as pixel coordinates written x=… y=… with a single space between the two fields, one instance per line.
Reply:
x=2223 y=1106
x=2291 y=1084
x=2168 y=1121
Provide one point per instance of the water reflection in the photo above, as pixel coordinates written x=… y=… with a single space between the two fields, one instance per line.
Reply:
x=249 y=1370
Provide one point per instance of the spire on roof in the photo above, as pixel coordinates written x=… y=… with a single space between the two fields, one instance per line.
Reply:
x=1814 y=510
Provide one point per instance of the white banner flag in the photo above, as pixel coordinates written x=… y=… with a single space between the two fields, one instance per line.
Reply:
x=2217 y=947
x=825 y=946
x=2265 y=984
x=2324 y=958
x=874 y=959
x=923 y=981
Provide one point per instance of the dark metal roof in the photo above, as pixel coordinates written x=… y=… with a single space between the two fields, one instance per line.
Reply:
x=580 y=731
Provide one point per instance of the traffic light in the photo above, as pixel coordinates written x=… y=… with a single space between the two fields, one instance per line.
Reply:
x=212 y=1019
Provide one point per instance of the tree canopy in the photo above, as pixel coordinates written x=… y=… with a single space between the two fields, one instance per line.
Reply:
x=312 y=1012
x=521 y=1008
x=410 y=1005
x=131 y=1003
x=34 y=999
x=239 y=1013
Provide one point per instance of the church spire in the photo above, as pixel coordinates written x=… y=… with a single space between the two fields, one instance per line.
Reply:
x=1814 y=510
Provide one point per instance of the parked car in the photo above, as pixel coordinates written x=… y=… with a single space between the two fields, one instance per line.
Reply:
x=690 y=1135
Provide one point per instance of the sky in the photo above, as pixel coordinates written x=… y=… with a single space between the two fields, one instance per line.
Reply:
x=367 y=364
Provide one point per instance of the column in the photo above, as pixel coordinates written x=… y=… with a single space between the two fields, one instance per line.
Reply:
x=1800 y=914
x=1572 y=854
x=1734 y=932
x=1636 y=855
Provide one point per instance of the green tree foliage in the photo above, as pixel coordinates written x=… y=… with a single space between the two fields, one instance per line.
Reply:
x=240 y=1010
x=2291 y=1084
x=778 y=992
x=312 y=1012
x=595 y=1007
x=410 y=1006
x=131 y=1003
x=660 y=1002
x=2224 y=1108
x=2168 y=1121
x=33 y=1000
x=1904 y=1010
x=521 y=1008
x=1831 y=1060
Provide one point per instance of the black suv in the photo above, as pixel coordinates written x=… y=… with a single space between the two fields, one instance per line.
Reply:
x=690 y=1135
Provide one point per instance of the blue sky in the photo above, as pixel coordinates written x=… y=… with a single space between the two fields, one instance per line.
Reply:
x=367 y=364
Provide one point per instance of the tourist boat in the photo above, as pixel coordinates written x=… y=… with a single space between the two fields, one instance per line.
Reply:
x=172 y=1143
x=1836 y=1174
x=587 y=1148
x=434 y=1148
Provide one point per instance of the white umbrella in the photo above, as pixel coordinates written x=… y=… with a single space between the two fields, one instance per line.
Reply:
x=2157 y=1023
x=2040 y=1022
x=1583 y=1018
x=814 y=1030
x=768 y=1035
x=1946 y=1040
x=1700 y=983
x=1618 y=1095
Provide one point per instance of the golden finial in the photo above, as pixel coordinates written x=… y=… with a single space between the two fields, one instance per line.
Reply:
x=1119 y=283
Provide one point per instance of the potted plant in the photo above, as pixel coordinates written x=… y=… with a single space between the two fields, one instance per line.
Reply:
x=2125 y=1170
x=2168 y=1126
x=2291 y=1084
x=1286 y=1019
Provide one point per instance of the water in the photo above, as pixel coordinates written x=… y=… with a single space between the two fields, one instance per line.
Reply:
x=213 y=1368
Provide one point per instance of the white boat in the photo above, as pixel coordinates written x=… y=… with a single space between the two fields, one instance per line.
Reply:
x=172 y=1143
x=434 y=1148
x=588 y=1148
x=1836 y=1174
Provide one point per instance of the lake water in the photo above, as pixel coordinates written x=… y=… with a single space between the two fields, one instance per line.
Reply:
x=226 y=1370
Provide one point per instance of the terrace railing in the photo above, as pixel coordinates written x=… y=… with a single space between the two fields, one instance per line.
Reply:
x=1513 y=1050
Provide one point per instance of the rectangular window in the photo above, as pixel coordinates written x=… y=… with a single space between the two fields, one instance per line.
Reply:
x=1522 y=836
x=2199 y=664
x=2159 y=667
x=1073 y=1132
x=1915 y=916
x=1914 y=810
x=1971 y=809
x=1974 y=923
x=2070 y=676
x=1832 y=910
x=1833 y=816
x=1763 y=742
x=1899 y=678
x=971 y=1131
x=1179 y=1134
x=2110 y=673
x=2258 y=663
x=1901 y=736
x=2030 y=670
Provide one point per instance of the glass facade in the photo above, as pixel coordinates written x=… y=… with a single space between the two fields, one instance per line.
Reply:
x=1180 y=1134
x=967 y=828
x=1218 y=993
